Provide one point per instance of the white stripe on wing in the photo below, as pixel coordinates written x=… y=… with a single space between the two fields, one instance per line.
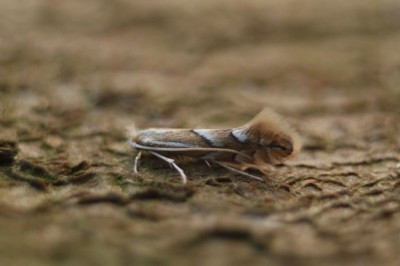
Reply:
x=209 y=136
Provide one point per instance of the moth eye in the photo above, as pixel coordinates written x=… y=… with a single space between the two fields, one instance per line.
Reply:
x=284 y=147
x=277 y=147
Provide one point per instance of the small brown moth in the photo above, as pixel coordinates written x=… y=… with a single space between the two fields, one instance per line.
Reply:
x=265 y=140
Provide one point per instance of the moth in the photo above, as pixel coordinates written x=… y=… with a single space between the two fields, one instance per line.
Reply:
x=264 y=141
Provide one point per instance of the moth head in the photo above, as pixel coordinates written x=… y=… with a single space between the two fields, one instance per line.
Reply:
x=276 y=141
x=277 y=148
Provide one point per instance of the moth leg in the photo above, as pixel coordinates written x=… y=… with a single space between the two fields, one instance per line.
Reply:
x=172 y=163
x=209 y=165
x=238 y=171
x=137 y=158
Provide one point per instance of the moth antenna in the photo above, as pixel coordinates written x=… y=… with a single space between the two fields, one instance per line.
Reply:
x=268 y=123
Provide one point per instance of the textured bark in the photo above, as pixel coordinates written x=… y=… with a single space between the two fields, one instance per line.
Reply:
x=74 y=75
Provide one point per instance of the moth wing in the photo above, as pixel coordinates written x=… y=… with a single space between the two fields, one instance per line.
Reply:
x=185 y=149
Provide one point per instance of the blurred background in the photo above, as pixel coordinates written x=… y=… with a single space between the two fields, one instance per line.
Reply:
x=74 y=74
x=190 y=55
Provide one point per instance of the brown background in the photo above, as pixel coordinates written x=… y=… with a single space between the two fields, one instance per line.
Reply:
x=74 y=74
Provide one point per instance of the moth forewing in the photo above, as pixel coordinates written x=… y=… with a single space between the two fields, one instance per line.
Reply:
x=263 y=141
